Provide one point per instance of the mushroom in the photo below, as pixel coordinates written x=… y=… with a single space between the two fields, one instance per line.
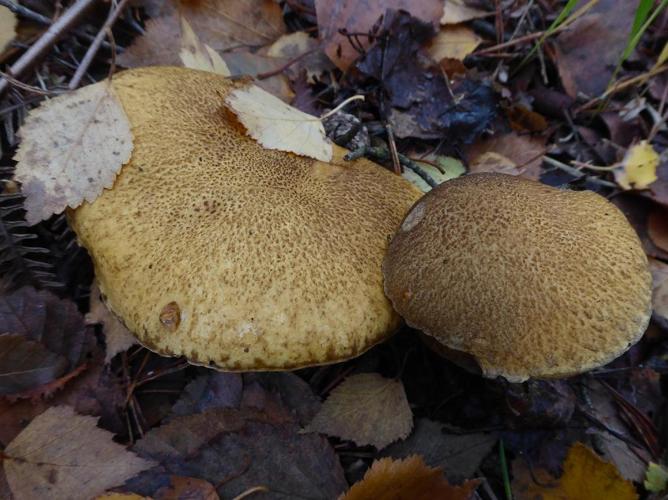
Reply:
x=236 y=256
x=530 y=280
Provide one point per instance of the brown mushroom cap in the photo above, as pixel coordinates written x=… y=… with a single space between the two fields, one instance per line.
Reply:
x=531 y=280
x=215 y=248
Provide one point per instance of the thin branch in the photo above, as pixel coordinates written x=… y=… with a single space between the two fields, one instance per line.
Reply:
x=64 y=24
x=114 y=12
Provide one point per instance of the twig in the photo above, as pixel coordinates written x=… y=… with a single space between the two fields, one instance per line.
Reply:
x=577 y=173
x=20 y=10
x=65 y=23
x=114 y=12
x=396 y=164
x=281 y=69
x=24 y=86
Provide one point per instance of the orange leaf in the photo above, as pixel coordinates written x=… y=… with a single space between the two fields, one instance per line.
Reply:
x=407 y=479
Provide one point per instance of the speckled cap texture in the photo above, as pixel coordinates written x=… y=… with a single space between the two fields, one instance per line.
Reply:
x=236 y=256
x=531 y=280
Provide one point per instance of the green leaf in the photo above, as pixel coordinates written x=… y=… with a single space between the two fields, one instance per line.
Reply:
x=656 y=478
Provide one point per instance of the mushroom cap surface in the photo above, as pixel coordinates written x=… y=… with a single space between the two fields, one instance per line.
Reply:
x=531 y=280
x=235 y=256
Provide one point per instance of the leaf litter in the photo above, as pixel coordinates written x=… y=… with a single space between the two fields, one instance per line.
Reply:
x=452 y=98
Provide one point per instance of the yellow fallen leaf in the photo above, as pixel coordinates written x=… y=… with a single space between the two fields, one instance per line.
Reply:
x=453 y=42
x=586 y=476
x=456 y=11
x=656 y=478
x=277 y=125
x=367 y=409
x=7 y=27
x=638 y=169
x=410 y=478
x=71 y=148
x=197 y=55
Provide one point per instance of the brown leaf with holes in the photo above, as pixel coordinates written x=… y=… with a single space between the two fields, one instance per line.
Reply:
x=407 y=479
x=585 y=476
x=360 y=17
x=220 y=24
x=65 y=455
x=367 y=409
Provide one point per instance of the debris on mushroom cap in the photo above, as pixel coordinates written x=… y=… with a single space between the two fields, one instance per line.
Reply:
x=212 y=247
x=531 y=280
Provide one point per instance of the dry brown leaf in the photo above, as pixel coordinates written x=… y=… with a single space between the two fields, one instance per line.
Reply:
x=509 y=154
x=313 y=59
x=197 y=55
x=220 y=24
x=410 y=478
x=8 y=24
x=453 y=42
x=586 y=476
x=456 y=11
x=367 y=409
x=71 y=149
x=120 y=496
x=64 y=455
x=249 y=64
x=117 y=337
x=277 y=125
x=360 y=17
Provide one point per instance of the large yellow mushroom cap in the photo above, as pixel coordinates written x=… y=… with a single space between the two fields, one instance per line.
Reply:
x=212 y=247
x=531 y=280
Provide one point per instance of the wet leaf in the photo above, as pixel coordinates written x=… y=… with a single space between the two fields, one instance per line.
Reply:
x=65 y=455
x=656 y=478
x=409 y=478
x=360 y=17
x=457 y=11
x=220 y=24
x=638 y=169
x=71 y=148
x=8 y=24
x=212 y=390
x=458 y=455
x=197 y=55
x=453 y=42
x=237 y=450
x=367 y=409
x=588 y=51
x=25 y=364
x=585 y=476
x=277 y=125
x=117 y=337
x=46 y=338
x=411 y=81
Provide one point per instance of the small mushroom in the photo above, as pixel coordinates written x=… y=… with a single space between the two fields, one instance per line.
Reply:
x=530 y=280
x=212 y=247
